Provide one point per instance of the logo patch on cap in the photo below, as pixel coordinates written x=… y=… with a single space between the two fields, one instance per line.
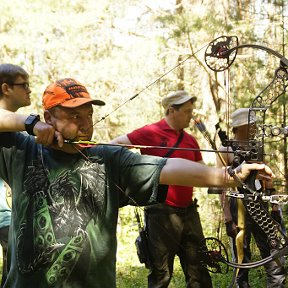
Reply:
x=67 y=93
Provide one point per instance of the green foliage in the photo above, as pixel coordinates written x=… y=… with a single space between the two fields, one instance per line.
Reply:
x=122 y=49
x=119 y=47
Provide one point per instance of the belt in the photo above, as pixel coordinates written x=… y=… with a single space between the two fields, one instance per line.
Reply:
x=164 y=208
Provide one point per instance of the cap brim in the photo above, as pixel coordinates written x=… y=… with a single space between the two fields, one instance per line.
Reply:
x=238 y=124
x=76 y=102
x=185 y=99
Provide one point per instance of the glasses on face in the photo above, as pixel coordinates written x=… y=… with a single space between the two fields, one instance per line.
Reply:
x=25 y=85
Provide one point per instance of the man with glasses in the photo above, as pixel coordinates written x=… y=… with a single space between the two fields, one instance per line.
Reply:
x=14 y=94
x=15 y=91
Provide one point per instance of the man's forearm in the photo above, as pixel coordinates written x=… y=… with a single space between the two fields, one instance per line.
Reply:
x=188 y=173
x=123 y=139
x=11 y=122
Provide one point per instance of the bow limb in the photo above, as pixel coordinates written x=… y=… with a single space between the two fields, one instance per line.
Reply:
x=267 y=49
x=222 y=51
x=213 y=254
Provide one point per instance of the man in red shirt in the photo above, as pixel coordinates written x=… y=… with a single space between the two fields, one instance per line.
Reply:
x=173 y=228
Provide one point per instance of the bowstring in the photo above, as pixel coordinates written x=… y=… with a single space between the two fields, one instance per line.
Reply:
x=224 y=196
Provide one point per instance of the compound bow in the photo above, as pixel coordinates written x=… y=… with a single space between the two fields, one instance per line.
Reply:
x=219 y=56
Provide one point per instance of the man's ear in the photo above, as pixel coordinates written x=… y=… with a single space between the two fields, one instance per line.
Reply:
x=171 y=110
x=48 y=117
x=4 y=88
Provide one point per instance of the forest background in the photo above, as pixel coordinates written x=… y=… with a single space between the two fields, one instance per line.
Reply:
x=131 y=54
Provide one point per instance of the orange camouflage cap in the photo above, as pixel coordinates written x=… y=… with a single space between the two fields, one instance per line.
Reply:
x=67 y=93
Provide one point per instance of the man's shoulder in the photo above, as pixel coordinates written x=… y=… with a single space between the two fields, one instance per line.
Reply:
x=161 y=124
x=190 y=136
x=146 y=130
x=106 y=151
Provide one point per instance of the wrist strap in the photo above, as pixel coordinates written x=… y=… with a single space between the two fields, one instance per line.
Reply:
x=30 y=122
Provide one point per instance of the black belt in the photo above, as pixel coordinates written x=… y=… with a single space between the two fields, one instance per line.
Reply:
x=164 y=208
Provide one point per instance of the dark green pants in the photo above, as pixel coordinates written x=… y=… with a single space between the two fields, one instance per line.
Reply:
x=175 y=231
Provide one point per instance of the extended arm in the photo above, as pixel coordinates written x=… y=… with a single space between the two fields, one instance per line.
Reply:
x=188 y=173
x=123 y=139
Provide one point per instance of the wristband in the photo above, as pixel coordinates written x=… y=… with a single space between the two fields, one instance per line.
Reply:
x=30 y=122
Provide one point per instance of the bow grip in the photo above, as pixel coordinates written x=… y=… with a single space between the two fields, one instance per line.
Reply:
x=250 y=180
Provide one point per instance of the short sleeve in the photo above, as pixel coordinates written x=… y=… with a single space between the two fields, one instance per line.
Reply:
x=137 y=176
